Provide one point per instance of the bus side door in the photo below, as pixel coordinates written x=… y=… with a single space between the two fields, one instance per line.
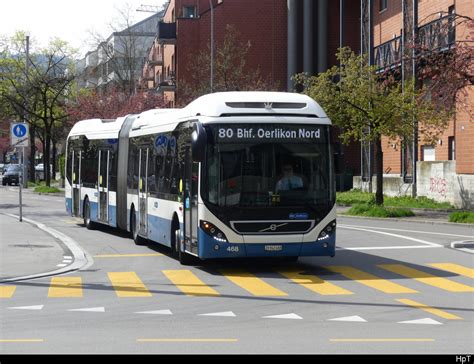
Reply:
x=143 y=192
x=76 y=182
x=103 y=185
x=190 y=200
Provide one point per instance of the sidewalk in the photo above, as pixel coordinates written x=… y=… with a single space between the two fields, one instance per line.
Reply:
x=26 y=250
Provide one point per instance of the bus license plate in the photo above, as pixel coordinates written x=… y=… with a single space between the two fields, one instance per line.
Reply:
x=273 y=248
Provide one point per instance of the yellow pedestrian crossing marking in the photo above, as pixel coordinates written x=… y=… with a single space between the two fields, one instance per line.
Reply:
x=189 y=283
x=432 y=310
x=426 y=278
x=370 y=280
x=455 y=268
x=65 y=287
x=252 y=284
x=128 y=284
x=314 y=283
x=7 y=291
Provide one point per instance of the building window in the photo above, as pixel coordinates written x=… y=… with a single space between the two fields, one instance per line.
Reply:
x=383 y=5
x=428 y=153
x=451 y=148
x=189 y=11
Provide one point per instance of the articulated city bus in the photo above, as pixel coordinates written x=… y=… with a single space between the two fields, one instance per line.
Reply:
x=233 y=174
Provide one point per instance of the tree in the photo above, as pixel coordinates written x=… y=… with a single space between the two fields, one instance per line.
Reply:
x=358 y=99
x=111 y=104
x=39 y=95
x=447 y=75
x=230 y=69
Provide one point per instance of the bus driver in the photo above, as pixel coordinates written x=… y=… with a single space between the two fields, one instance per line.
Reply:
x=288 y=181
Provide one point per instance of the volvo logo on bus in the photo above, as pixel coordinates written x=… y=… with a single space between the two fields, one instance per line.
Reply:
x=273 y=227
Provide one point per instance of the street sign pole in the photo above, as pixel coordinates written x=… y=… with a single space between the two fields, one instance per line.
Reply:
x=19 y=137
x=21 y=184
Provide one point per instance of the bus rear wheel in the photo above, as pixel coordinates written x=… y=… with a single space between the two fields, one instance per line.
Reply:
x=88 y=223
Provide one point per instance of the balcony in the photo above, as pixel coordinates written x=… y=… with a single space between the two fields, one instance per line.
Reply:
x=388 y=55
x=436 y=36
x=166 y=33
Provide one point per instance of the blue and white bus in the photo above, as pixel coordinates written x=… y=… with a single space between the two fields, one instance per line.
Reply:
x=233 y=174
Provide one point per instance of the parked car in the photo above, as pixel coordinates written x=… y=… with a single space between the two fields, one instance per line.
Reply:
x=2 y=168
x=12 y=175
x=39 y=172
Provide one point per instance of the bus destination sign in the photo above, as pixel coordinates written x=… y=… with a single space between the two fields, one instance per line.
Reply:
x=269 y=133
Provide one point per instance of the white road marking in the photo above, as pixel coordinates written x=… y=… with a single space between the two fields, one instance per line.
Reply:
x=61 y=265
x=391 y=247
x=92 y=309
x=159 y=312
x=404 y=230
x=424 y=242
x=289 y=316
x=220 y=314
x=425 y=321
x=32 y=308
x=349 y=319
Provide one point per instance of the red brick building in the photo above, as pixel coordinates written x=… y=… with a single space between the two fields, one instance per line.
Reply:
x=293 y=36
x=185 y=32
x=445 y=171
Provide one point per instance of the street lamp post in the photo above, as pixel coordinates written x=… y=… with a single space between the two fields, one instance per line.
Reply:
x=212 y=45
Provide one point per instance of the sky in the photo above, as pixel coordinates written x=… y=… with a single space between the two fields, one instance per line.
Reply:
x=68 y=20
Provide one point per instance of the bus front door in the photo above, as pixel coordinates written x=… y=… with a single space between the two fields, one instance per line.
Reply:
x=190 y=200
x=76 y=182
x=103 y=185
x=143 y=192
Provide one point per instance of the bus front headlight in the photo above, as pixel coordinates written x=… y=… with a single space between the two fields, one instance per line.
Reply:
x=327 y=231
x=213 y=231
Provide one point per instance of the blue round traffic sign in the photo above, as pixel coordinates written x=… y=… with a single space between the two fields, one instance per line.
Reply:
x=19 y=130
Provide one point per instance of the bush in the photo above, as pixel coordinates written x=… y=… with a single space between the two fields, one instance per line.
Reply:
x=371 y=210
x=462 y=217
x=352 y=197
x=45 y=189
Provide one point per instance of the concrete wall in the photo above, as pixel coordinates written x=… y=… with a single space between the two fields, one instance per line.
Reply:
x=437 y=180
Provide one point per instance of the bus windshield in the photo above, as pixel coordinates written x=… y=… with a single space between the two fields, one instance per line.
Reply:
x=268 y=166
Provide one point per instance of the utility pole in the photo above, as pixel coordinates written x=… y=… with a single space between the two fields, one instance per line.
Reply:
x=212 y=45
x=25 y=164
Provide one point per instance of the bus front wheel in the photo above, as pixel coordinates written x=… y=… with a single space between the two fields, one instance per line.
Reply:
x=183 y=257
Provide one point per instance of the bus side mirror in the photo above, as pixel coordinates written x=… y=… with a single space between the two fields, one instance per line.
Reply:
x=338 y=159
x=198 y=142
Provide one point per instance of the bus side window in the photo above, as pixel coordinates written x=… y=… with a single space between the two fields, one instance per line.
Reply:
x=132 y=182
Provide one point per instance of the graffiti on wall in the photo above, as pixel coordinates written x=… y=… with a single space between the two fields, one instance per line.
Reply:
x=439 y=186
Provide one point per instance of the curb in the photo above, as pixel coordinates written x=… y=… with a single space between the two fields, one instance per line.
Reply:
x=81 y=258
x=462 y=244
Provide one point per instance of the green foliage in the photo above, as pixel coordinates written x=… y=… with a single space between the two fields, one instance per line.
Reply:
x=356 y=97
x=350 y=198
x=46 y=189
x=462 y=217
x=62 y=165
x=371 y=210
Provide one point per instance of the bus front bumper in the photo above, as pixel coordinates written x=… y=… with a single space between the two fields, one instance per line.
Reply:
x=210 y=248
